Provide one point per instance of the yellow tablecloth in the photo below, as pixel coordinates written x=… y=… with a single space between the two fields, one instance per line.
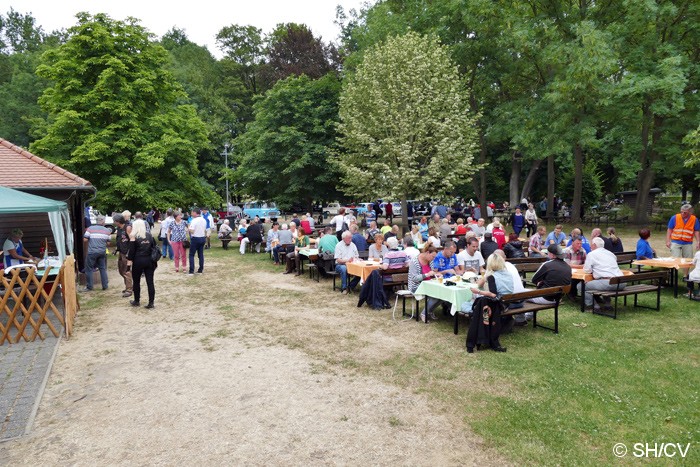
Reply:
x=362 y=269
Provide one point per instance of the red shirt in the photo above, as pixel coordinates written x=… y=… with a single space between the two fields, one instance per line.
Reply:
x=499 y=236
x=461 y=230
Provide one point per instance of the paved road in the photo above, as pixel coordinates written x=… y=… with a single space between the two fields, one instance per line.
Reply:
x=24 y=368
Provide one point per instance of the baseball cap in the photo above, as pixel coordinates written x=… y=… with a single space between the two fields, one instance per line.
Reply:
x=556 y=251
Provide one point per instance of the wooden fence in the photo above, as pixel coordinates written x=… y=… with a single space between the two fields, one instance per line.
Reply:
x=27 y=308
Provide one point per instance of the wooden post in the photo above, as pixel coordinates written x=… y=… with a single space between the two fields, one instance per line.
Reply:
x=70 y=294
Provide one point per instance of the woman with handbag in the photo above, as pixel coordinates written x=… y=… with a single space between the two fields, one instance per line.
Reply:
x=177 y=236
x=140 y=256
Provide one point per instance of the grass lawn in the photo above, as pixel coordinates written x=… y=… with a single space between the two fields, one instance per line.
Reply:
x=551 y=399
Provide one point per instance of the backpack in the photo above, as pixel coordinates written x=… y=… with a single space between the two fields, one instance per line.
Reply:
x=155 y=253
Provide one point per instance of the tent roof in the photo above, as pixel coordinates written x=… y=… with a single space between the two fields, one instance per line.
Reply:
x=13 y=201
x=22 y=169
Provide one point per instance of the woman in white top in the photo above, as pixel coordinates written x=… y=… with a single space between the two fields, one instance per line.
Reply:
x=378 y=249
x=530 y=220
x=293 y=229
x=416 y=235
x=433 y=237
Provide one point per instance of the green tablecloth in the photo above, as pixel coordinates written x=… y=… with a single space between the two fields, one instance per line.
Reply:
x=454 y=294
x=309 y=252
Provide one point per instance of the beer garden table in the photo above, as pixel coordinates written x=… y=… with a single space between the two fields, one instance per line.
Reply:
x=583 y=277
x=456 y=294
x=667 y=263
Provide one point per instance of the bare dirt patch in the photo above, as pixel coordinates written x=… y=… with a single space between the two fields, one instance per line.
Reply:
x=244 y=365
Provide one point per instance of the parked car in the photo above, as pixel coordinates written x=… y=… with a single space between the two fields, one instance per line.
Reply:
x=396 y=208
x=109 y=222
x=362 y=208
x=260 y=209
x=331 y=209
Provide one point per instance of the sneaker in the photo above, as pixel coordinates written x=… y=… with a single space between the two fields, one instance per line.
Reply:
x=422 y=317
x=344 y=291
x=84 y=289
x=432 y=316
x=191 y=273
x=126 y=293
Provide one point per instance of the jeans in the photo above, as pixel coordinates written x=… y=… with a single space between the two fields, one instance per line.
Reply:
x=166 y=249
x=197 y=245
x=99 y=261
x=343 y=271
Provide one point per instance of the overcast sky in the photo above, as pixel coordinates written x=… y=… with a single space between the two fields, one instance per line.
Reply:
x=201 y=19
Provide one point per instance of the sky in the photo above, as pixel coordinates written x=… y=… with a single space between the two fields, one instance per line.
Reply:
x=201 y=19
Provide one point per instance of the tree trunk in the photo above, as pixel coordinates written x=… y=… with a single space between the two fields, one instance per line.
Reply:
x=515 y=171
x=530 y=179
x=578 y=184
x=695 y=195
x=405 y=226
x=550 y=186
x=646 y=176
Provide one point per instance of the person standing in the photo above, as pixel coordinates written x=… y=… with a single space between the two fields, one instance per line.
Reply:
x=389 y=210
x=122 y=248
x=683 y=229
x=338 y=222
x=166 y=249
x=177 y=234
x=97 y=239
x=517 y=221
x=141 y=245
x=530 y=220
x=209 y=220
x=198 y=238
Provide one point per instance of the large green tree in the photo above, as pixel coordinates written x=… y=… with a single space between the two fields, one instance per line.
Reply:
x=405 y=123
x=118 y=118
x=285 y=153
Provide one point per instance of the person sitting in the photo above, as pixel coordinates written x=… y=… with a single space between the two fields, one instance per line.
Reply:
x=302 y=241
x=294 y=230
x=445 y=230
x=225 y=233
x=446 y=262
x=346 y=252
x=517 y=221
x=603 y=265
x=295 y=220
x=306 y=225
x=312 y=223
x=552 y=273
x=435 y=222
x=537 y=243
x=471 y=257
x=514 y=247
x=463 y=241
x=518 y=287
x=416 y=235
x=489 y=228
x=372 y=231
x=378 y=248
x=488 y=246
x=461 y=228
x=394 y=232
x=14 y=252
x=575 y=255
x=395 y=258
x=644 y=249
x=596 y=232
x=328 y=241
x=499 y=235
x=357 y=238
x=419 y=270
x=255 y=235
x=478 y=228
x=615 y=241
x=273 y=237
x=495 y=266
x=286 y=240
x=387 y=227
x=556 y=237
x=409 y=248
x=576 y=233
x=694 y=277
x=433 y=238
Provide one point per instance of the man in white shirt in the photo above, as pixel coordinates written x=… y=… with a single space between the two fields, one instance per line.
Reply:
x=479 y=229
x=338 y=222
x=603 y=265
x=198 y=238
x=346 y=252
x=471 y=257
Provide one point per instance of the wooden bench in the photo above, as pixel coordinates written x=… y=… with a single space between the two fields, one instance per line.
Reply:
x=528 y=259
x=632 y=289
x=529 y=307
x=626 y=257
x=398 y=278
x=524 y=268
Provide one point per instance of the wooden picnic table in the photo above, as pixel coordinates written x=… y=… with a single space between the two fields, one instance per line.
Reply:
x=362 y=268
x=583 y=277
x=667 y=263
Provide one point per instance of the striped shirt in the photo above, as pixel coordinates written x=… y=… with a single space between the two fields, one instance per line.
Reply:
x=395 y=259
x=98 y=236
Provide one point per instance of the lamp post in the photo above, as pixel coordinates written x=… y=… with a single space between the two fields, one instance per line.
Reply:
x=228 y=200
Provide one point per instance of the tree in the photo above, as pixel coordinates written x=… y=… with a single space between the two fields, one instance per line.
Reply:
x=285 y=153
x=117 y=117
x=405 y=124
x=293 y=50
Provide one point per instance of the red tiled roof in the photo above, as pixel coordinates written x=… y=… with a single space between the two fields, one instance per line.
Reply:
x=22 y=169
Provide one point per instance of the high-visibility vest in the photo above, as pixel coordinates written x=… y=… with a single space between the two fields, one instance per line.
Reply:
x=683 y=231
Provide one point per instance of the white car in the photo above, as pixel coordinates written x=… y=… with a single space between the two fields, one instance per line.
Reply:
x=109 y=222
x=396 y=208
x=332 y=209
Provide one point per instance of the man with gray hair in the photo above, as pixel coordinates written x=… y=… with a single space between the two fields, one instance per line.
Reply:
x=166 y=249
x=682 y=230
x=346 y=252
x=285 y=238
x=96 y=239
x=121 y=249
x=603 y=265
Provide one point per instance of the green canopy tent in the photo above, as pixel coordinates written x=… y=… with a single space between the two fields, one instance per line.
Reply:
x=14 y=201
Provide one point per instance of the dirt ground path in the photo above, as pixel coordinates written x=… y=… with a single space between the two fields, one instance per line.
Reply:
x=230 y=369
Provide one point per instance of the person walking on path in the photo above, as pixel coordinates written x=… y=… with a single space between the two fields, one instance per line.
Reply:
x=198 y=237
x=122 y=248
x=177 y=234
x=683 y=229
x=97 y=239
x=166 y=248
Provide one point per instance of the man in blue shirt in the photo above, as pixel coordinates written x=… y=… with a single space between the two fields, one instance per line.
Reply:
x=446 y=262
x=556 y=237
x=358 y=239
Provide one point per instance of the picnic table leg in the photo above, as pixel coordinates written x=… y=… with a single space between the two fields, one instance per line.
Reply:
x=583 y=296
x=674 y=282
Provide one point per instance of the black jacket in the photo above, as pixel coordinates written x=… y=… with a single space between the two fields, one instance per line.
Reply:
x=255 y=233
x=514 y=249
x=141 y=248
x=372 y=292
x=488 y=247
